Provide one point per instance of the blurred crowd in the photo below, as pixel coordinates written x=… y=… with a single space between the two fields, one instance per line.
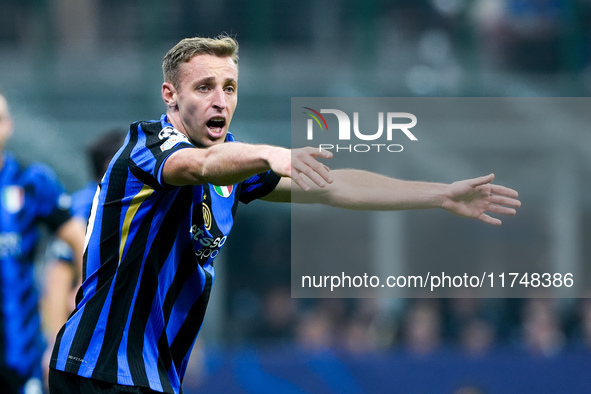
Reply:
x=259 y=308
x=544 y=327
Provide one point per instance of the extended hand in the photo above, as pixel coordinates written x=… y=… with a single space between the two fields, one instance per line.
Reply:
x=292 y=163
x=472 y=198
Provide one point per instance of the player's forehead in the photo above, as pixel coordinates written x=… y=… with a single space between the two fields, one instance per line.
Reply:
x=205 y=66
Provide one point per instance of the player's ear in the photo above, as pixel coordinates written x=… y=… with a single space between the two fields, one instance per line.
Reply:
x=169 y=94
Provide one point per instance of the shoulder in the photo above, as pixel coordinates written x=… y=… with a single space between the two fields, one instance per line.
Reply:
x=38 y=182
x=144 y=131
x=42 y=175
x=86 y=193
x=82 y=200
x=10 y=164
x=154 y=132
x=147 y=126
x=33 y=172
x=41 y=169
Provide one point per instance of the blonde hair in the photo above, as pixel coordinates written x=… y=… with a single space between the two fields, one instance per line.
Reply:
x=186 y=49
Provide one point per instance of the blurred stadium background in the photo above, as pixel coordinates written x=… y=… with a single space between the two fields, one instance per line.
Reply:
x=73 y=69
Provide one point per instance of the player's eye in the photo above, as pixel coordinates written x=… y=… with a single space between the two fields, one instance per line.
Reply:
x=229 y=89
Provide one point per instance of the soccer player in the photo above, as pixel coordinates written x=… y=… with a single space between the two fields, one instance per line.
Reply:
x=165 y=209
x=29 y=196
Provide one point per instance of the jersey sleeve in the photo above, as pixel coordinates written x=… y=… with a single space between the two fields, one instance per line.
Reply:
x=52 y=202
x=258 y=186
x=82 y=201
x=59 y=250
x=152 y=147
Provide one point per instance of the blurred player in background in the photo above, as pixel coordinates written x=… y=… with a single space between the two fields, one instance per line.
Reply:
x=29 y=196
x=62 y=274
x=61 y=271
x=165 y=209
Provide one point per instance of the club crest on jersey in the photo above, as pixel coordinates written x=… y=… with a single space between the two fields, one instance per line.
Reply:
x=13 y=198
x=172 y=137
x=207 y=217
x=224 y=191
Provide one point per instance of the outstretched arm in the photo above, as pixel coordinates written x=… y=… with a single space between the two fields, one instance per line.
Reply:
x=363 y=190
x=233 y=162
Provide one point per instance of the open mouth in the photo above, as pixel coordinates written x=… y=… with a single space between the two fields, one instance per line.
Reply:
x=216 y=125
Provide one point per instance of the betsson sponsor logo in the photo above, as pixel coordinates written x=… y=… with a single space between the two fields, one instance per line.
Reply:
x=209 y=246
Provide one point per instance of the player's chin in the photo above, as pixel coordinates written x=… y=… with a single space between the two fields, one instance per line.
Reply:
x=208 y=138
x=215 y=137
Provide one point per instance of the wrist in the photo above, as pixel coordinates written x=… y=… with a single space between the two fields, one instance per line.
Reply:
x=441 y=196
x=273 y=156
x=266 y=153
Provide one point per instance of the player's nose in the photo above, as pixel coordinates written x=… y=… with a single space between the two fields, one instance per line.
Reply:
x=219 y=98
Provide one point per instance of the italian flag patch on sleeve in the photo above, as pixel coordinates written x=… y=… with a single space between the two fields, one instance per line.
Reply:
x=224 y=191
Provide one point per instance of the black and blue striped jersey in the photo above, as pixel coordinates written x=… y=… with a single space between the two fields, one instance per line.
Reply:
x=29 y=196
x=149 y=265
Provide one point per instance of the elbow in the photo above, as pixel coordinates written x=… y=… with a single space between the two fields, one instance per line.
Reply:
x=184 y=168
